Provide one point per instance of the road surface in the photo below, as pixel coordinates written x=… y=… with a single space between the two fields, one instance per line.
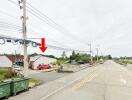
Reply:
x=47 y=76
x=50 y=76
x=109 y=81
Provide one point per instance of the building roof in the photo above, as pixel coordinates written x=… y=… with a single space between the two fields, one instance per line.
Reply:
x=35 y=58
x=15 y=58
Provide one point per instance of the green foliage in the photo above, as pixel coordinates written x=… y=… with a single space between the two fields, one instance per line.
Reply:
x=73 y=56
x=79 y=58
x=35 y=54
x=123 y=62
x=62 y=61
x=109 y=57
x=34 y=82
x=2 y=73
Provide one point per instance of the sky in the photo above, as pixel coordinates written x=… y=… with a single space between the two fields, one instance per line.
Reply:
x=106 y=24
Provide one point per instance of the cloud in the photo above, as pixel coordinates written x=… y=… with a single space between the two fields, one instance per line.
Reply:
x=103 y=22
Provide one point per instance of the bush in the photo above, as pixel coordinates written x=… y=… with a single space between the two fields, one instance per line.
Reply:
x=10 y=73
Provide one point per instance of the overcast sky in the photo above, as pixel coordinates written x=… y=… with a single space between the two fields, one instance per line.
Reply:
x=107 y=24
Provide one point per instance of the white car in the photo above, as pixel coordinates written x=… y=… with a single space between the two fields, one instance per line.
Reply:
x=16 y=67
x=101 y=61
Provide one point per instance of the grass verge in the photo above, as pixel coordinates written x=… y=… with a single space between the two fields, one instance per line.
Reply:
x=34 y=83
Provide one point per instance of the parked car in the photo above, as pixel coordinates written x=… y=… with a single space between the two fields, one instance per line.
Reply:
x=16 y=67
x=42 y=66
x=101 y=61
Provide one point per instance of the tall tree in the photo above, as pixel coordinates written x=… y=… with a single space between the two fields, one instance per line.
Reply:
x=64 y=54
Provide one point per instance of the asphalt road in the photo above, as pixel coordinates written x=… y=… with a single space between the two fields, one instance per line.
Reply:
x=47 y=76
x=50 y=76
x=44 y=91
x=110 y=82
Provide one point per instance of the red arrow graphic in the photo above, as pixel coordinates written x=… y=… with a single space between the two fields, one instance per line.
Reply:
x=43 y=47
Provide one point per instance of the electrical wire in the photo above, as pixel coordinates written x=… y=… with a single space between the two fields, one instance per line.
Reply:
x=9 y=26
x=39 y=44
x=51 y=22
x=40 y=18
x=61 y=29
x=7 y=23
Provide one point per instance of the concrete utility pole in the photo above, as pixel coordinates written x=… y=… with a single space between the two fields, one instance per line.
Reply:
x=97 y=54
x=24 y=18
x=91 y=58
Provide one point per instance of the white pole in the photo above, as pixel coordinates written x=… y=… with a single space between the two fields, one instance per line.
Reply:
x=25 y=38
x=97 y=54
x=91 y=58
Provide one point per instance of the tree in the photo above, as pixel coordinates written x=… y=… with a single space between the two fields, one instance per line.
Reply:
x=79 y=58
x=73 y=56
x=109 y=57
x=64 y=54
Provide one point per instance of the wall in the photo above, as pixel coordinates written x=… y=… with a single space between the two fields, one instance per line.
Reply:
x=42 y=60
x=5 y=62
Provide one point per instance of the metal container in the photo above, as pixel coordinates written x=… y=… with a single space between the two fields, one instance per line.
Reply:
x=5 y=89
x=19 y=84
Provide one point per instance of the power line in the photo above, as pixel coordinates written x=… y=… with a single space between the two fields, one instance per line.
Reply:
x=39 y=17
x=17 y=28
x=32 y=10
x=58 y=27
x=9 y=25
x=42 y=15
x=52 y=40
x=49 y=46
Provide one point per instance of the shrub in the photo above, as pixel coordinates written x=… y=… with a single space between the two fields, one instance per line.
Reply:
x=10 y=73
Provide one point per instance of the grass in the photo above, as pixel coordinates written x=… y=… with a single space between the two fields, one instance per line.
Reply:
x=34 y=82
x=123 y=62
x=61 y=61
x=2 y=73
x=50 y=70
x=65 y=71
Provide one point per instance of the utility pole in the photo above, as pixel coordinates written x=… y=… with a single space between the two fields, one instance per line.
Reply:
x=97 y=54
x=15 y=57
x=24 y=18
x=91 y=58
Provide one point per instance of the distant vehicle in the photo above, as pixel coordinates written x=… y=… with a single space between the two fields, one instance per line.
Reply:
x=16 y=67
x=42 y=66
x=101 y=61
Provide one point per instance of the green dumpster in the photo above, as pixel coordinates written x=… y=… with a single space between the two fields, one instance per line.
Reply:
x=5 y=89
x=19 y=84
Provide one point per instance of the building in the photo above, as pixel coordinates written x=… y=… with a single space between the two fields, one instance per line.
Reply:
x=40 y=59
x=10 y=60
x=16 y=59
x=5 y=61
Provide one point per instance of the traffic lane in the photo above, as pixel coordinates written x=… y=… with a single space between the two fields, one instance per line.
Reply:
x=114 y=83
x=115 y=74
x=53 y=87
x=48 y=76
x=117 y=82
x=75 y=91
x=81 y=94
